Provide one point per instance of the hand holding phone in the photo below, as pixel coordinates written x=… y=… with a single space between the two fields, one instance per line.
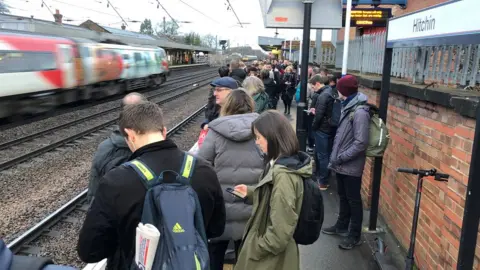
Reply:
x=238 y=192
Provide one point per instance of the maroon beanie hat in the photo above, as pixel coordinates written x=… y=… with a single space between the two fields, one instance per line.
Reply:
x=347 y=85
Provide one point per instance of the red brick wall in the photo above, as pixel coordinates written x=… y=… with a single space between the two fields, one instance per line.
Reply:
x=424 y=135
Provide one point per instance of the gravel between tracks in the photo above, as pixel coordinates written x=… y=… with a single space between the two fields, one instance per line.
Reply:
x=34 y=189
x=62 y=249
x=34 y=127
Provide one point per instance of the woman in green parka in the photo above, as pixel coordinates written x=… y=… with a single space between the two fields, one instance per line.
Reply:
x=268 y=242
x=255 y=88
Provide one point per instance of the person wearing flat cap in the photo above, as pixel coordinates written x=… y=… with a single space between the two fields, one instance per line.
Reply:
x=348 y=159
x=222 y=87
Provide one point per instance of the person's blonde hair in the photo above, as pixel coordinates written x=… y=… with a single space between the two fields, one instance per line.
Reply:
x=253 y=85
x=237 y=102
x=289 y=67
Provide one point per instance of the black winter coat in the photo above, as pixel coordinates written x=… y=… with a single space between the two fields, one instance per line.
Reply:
x=109 y=228
x=111 y=153
x=239 y=75
x=212 y=111
x=323 y=110
x=272 y=89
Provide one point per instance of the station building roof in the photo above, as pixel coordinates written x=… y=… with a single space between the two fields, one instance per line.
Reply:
x=12 y=22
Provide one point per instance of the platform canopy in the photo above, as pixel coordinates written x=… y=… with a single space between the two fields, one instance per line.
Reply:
x=269 y=43
x=326 y=14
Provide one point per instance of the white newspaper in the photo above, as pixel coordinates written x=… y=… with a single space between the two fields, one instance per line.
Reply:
x=146 y=243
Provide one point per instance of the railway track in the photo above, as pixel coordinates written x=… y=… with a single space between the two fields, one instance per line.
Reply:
x=14 y=146
x=22 y=244
x=177 y=77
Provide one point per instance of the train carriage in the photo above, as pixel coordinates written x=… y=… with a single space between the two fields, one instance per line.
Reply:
x=39 y=72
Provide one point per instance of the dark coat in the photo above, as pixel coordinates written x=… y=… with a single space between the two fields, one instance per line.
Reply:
x=351 y=140
x=111 y=153
x=212 y=110
x=111 y=222
x=323 y=110
x=9 y=261
x=271 y=88
x=238 y=74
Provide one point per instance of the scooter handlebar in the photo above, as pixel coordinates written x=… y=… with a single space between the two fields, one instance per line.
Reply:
x=407 y=170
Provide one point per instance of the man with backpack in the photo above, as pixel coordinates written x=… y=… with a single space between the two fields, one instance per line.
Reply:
x=161 y=185
x=348 y=160
x=327 y=114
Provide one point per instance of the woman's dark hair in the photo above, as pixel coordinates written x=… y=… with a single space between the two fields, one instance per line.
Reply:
x=223 y=71
x=278 y=132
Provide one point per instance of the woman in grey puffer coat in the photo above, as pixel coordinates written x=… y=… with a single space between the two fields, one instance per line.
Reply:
x=230 y=147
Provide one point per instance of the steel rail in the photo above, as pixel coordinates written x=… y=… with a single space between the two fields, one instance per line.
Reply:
x=14 y=161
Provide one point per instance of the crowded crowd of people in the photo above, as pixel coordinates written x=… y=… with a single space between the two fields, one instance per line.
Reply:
x=247 y=177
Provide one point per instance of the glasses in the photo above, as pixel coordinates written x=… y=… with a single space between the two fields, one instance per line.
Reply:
x=220 y=89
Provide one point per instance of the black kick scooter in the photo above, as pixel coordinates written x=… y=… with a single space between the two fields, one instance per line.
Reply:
x=421 y=174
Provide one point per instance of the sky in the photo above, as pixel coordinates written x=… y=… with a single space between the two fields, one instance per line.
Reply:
x=200 y=16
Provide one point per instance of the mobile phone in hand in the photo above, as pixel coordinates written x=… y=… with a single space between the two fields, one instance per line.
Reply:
x=235 y=193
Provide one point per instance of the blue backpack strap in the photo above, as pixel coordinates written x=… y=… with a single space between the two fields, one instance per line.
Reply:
x=146 y=174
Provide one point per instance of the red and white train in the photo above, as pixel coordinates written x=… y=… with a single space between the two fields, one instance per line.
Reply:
x=38 y=72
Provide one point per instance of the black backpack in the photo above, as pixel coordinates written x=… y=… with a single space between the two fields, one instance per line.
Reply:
x=311 y=215
x=336 y=109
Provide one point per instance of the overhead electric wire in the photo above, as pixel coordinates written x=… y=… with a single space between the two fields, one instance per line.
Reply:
x=108 y=1
x=45 y=4
x=228 y=1
x=200 y=12
x=168 y=13
x=85 y=8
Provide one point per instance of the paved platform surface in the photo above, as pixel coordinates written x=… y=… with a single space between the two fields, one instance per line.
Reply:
x=325 y=254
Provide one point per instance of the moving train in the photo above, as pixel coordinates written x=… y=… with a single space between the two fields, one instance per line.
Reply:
x=40 y=72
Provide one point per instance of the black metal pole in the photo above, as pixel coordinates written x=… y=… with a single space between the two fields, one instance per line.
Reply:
x=410 y=261
x=471 y=214
x=302 y=105
x=382 y=113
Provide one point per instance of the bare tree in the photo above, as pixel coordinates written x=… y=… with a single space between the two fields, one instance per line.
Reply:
x=4 y=8
x=210 y=41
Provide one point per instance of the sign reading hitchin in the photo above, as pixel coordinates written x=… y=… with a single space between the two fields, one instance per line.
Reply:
x=378 y=2
x=368 y=17
x=435 y=26
x=326 y=14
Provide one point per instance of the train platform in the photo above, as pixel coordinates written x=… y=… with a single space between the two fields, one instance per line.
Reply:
x=325 y=254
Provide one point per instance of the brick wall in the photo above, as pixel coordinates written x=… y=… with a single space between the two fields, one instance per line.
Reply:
x=424 y=135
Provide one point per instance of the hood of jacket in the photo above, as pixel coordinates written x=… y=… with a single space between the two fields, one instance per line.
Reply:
x=117 y=139
x=234 y=127
x=360 y=98
x=238 y=73
x=300 y=164
x=260 y=96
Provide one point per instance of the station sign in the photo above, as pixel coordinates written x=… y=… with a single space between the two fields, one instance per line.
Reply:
x=378 y=2
x=368 y=17
x=434 y=25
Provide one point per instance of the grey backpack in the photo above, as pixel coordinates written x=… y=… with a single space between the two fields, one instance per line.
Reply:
x=174 y=209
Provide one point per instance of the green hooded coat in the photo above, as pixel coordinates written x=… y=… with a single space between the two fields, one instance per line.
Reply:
x=268 y=242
